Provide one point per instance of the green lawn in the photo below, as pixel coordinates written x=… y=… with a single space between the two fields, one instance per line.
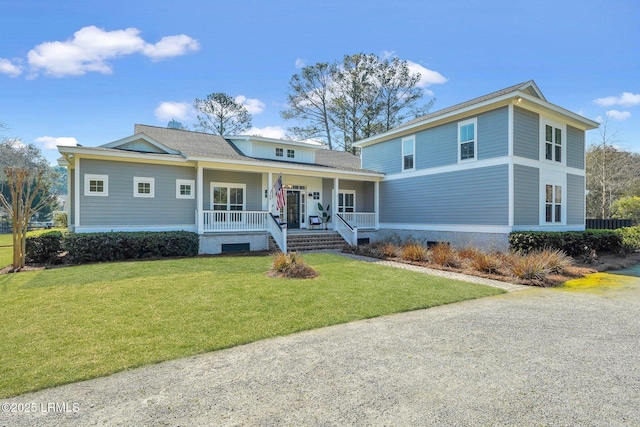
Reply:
x=69 y=324
x=6 y=251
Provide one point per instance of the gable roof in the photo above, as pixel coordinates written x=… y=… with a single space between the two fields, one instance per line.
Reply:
x=528 y=90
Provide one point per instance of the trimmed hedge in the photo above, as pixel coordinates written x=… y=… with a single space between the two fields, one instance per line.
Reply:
x=46 y=248
x=571 y=242
x=103 y=247
x=630 y=238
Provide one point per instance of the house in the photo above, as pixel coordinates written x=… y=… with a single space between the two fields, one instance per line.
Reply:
x=162 y=179
x=476 y=171
x=468 y=174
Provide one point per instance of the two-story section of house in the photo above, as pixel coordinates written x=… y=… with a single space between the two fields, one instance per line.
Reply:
x=472 y=173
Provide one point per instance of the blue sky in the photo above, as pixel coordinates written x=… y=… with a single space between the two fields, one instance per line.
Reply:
x=87 y=71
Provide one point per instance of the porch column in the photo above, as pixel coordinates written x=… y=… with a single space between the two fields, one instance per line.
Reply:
x=269 y=188
x=200 y=200
x=334 y=209
x=76 y=193
x=376 y=203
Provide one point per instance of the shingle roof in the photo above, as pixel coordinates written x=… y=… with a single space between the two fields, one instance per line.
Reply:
x=198 y=144
x=469 y=103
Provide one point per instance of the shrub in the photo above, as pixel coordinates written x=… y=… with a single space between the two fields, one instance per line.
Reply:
x=60 y=220
x=292 y=266
x=445 y=255
x=413 y=252
x=388 y=249
x=630 y=238
x=480 y=261
x=527 y=267
x=46 y=248
x=571 y=242
x=555 y=260
x=100 y=247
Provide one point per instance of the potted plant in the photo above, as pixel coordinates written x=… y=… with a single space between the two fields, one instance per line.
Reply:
x=325 y=214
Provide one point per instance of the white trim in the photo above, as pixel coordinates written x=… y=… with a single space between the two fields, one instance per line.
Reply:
x=343 y=192
x=138 y=137
x=228 y=185
x=412 y=139
x=454 y=167
x=112 y=152
x=376 y=202
x=96 y=177
x=544 y=122
x=144 y=180
x=199 y=198
x=110 y=228
x=510 y=129
x=548 y=166
x=512 y=190
x=181 y=182
x=473 y=121
x=449 y=227
x=247 y=138
x=555 y=178
x=76 y=191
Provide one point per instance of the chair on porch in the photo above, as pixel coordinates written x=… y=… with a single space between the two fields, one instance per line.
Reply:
x=315 y=220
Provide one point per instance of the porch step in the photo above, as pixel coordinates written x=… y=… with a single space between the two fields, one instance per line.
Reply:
x=302 y=242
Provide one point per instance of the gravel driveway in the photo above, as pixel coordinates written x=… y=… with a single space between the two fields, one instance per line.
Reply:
x=533 y=357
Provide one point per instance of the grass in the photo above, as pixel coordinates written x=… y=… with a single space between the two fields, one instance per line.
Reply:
x=69 y=324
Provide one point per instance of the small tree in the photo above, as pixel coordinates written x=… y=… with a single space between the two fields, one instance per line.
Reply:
x=220 y=114
x=25 y=190
x=627 y=208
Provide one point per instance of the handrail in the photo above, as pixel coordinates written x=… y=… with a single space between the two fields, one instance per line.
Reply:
x=278 y=232
x=351 y=236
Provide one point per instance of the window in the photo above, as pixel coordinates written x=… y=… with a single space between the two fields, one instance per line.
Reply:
x=96 y=185
x=184 y=189
x=227 y=197
x=408 y=153
x=316 y=195
x=279 y=152
x=552 y=143
x=291 y=154
x=553 y=203
x=347 y=201
x=143 y=187
x=467 y=140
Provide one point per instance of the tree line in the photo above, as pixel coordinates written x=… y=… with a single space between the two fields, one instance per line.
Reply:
x=336 y=103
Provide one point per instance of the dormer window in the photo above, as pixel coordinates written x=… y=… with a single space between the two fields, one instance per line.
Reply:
x=279 y=152
x=291 y=154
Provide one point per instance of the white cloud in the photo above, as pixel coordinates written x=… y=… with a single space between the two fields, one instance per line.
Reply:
x=9 y=68
x=253 y=106
x=170 y=46
x=276 y=132
x=626 y=99
x=91 y=47
x=168 y=110
x=51 y=142
x=301 y=63
x=386 y=54
x=427 y=77
x=618 y=115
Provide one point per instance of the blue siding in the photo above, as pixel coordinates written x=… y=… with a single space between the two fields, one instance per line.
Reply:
x=437 y=146
x=575 y=147
x=474 y=197
x=493 y=134
x=575 y=199
x=383 y=157
x=526 y=198
x=526 y=134
x=120 y=208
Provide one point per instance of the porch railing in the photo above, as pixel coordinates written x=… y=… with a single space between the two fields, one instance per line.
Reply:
x=360 y=219
x=348 y=233
x=278 y=231
x=234 y=220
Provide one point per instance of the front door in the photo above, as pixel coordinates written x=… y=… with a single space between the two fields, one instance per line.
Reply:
x=293 y=209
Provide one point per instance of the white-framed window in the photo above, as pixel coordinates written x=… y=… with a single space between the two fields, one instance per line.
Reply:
x=553 y=137
x=185 y=189
x=227 y=196
x=408 y=153
x=143 y=186
x=346 y=201
x=96 y=185
x=279 y=152
x=316 y=195
x=291 y=154
x=467 y=139
x=553 y=204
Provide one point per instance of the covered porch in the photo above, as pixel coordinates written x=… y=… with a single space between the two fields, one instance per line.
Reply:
x=230 y=201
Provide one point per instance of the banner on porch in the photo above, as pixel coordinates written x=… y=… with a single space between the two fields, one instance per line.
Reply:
x=279 y=192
